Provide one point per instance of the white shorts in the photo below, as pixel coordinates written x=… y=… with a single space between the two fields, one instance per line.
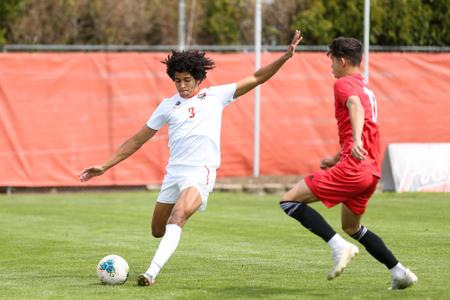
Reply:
x=180 y=177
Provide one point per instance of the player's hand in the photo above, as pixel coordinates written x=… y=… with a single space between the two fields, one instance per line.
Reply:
x=358 y=150
x=295 y=41
x=90 y=172
x=327 y=163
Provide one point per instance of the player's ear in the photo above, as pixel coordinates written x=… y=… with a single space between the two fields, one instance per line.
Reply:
x=343 y=61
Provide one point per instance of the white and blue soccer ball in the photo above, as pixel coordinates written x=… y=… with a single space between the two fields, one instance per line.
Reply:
x=112 y=269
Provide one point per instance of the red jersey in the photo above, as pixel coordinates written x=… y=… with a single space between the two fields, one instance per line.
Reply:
x=354 y=85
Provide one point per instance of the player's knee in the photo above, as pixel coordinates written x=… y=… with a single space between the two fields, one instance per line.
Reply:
x=177 y=218
x=158 y=232
x=300 y=193
x=287 y=196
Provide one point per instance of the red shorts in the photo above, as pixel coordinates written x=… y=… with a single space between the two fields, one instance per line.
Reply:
x=343 y=184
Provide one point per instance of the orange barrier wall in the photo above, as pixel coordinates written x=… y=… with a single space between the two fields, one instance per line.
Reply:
x=61 y=112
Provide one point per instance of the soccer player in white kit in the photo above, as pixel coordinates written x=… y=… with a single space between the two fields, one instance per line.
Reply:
x=194 y=117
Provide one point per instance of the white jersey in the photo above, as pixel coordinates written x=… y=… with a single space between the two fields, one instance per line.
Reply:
x=194 y=125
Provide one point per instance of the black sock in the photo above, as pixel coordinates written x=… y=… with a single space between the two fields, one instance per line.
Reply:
x=376 y=247
x=309 y=218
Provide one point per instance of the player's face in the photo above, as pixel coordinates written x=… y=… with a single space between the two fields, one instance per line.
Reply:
x=337 y=66
x=186 y=84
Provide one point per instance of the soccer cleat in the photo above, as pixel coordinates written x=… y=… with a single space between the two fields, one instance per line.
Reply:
x=407 y=279
x=341 y=259
x=145 y=280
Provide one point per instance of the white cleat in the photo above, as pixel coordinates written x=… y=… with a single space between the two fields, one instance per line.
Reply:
x=407 y=279
x=341 y=259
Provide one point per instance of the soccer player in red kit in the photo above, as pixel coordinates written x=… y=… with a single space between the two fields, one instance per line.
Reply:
x=351 y=176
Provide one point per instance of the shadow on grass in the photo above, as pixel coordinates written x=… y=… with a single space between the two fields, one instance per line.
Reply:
x=262 y=292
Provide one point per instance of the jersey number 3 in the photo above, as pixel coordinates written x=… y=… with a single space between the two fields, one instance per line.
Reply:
x=191 y=112
x=373 y=104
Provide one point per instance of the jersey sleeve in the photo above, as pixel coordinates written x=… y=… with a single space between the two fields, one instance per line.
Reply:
x=158 y=117
x=343 y=89
x=225 y=92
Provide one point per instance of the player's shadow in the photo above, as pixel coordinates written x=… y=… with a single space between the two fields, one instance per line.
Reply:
x=235 y=292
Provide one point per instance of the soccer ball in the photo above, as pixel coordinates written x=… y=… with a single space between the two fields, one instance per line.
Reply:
x=112 y=269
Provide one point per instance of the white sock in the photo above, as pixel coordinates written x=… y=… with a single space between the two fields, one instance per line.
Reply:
x=398 y=270
x=166 y=248
x=337 y=242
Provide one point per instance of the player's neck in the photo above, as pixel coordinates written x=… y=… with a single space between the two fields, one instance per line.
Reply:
x=352 y=70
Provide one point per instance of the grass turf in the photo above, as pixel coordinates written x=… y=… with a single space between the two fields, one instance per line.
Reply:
x=242 y=247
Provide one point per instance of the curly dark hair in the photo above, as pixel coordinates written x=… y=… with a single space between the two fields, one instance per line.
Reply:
x=346 y=47
x=192 y=61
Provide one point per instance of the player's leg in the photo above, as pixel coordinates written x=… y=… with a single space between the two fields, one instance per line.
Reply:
x=189 y=201
x=351 y=224
x=294 y=203
x=300 y=193
x=373 y=244
x=161 y=214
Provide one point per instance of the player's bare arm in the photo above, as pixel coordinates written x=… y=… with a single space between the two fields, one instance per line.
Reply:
x=356 y=111
x=129 y=147
x=262 y=75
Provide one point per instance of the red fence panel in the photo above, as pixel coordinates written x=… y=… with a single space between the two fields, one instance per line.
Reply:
x=60 y=112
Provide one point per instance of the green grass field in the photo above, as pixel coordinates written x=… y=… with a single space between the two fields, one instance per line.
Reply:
x=242 y=247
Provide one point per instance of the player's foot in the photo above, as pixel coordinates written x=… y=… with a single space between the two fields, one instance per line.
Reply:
x=407 y=279
x=341 y=259
x=145 y=280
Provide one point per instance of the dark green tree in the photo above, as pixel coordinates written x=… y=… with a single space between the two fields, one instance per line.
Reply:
x=222 y=22
x=439 y=22
x=9 y=10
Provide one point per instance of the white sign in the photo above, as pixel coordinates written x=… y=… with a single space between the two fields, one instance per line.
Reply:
x=417 y=167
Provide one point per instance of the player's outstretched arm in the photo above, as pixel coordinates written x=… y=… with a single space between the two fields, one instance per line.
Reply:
x=125 y=150
x=262 y=75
